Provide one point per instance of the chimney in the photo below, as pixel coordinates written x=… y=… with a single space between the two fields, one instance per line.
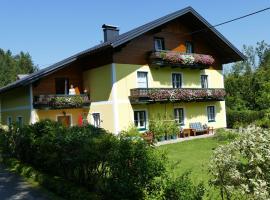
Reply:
x=110 y=32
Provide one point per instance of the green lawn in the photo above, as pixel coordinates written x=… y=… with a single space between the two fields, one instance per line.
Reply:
x=193 y=155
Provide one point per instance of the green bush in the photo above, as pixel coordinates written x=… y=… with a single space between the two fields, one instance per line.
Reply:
x=225 y=135
x=111 y=166
x=236 y=119
x=182 y=188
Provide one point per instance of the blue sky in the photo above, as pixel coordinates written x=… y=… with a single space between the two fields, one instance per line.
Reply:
x=53 y=30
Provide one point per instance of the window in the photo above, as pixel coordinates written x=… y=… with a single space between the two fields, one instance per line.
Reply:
x=211 y=113
x=9 y=121
x=189 y=47
x=140 y=119
x=96 y=119
x=204 y=81
x=159 y=44
x=20 y=121
x=61 y=85
x=179 y=116
x=65 y=120
x=142 y=79
x=177 y=80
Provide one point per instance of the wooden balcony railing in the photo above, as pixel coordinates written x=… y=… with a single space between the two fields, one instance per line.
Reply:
x=148 y=95
x=56 y=101
x=179 y=59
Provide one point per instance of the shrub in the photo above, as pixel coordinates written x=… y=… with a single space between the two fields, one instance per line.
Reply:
x=113 y=167
x=242 y=118
x=182 y=188
x=171 y=188
x=225 y=135
x=131 y=132
x=241 y=169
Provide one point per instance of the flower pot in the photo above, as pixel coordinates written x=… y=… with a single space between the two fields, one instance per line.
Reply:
x=168 y=137
x=161 y=138
x=174 y=137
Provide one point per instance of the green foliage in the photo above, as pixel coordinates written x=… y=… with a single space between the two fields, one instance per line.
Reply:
x=241 y=169
x=12 y=65
x=182 y=188
x=242 y=118
x=70 y=101
x=171 y=188
x=225 y=135
x=131 y=132
x=161 y=127
x=157 y=127
x=247 y=83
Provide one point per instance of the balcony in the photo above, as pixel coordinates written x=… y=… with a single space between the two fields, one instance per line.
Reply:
x=56 y=101
x=151 y=95
x=182 y=60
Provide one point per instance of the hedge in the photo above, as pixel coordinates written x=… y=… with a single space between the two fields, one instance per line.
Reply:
x=111 y=167
x=243 y=118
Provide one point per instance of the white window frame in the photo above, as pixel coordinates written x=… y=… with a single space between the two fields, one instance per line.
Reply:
x=141 y=129
x=184 y=115
x=17 y=120
x=61 y=115
x=162 y=43
x=93 y=120
x=214 y=119
x=204 y=75
x=137 y=78
x=11 y=120
x=192 y=46
x=181 y=75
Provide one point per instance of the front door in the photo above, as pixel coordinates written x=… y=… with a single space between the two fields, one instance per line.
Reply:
x=65 y=120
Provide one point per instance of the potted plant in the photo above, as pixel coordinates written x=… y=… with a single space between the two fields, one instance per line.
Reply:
x=156 y=127
x=166 y=125
x=174 y=129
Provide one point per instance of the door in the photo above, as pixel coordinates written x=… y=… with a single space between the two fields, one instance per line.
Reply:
x=65 y=120
x=61 y=85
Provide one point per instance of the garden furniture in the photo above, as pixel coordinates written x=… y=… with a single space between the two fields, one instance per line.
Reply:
x=197 y=127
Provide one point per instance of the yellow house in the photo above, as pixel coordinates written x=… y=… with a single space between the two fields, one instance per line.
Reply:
x=169 y=68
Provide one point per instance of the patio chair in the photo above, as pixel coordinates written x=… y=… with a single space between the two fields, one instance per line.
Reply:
x=199 y=128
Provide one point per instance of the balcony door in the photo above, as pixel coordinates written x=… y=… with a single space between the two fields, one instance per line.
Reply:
x=142 y=79
x=61 y=85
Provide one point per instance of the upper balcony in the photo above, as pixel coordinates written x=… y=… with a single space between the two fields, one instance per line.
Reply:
x=179 y=59
x=148 y=95
x=56 y=101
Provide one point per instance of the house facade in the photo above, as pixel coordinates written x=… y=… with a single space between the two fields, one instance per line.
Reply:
x=170 y=68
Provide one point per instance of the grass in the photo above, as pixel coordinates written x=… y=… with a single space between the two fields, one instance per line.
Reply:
x=193 y=155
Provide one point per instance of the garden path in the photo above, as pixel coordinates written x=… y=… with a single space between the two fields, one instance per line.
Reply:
x=13 y=187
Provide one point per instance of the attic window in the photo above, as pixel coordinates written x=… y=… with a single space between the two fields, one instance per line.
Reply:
x=159 y=44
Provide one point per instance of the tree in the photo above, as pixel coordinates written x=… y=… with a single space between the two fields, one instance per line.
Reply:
x=12 y=65
x=247 y=83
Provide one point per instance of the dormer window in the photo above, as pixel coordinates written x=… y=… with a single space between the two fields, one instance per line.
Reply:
x=189 y=47
x=159 y=44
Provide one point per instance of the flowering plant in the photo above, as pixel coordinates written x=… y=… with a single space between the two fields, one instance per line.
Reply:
x=186 y=94
x=183 y=58
x=241 y=169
